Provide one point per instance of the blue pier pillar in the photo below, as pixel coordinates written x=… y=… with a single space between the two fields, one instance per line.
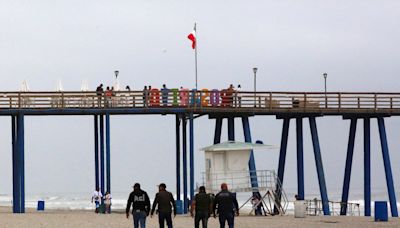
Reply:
x=300 y=158
x=15 y=159
x=218 y=128
x=320 y=168
x=231 y=128
x=96 y=150
x=108 y=154
x=102 y=186
x=178 y=157
x=191 y=155
x=367 y=167
x=388 y=169
x=349 y=162
x=283 y=149
x=184 y=151
x=282 y=159
x=21 y=161
x=252 y=162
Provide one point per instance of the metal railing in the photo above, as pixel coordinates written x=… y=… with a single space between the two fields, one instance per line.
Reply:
x=268 y=185
x=314 y=207
x=215 y=99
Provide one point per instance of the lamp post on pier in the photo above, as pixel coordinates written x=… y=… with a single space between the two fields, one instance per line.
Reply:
x=326 y=98
x=255 y=85
x=116 y=74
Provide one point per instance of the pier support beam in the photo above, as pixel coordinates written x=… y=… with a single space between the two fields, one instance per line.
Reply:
x=108 y=154
x=349 y=161
x=96 y=150
x=102 y=186
x=218 y=129
x=191 y=155
x=318 y=163
x=184 y=147
x=178 y=157
x=231 y=128
x=387 y=166
x=283 y=149
x=282 y=160
x=252 y=163
x=300 y=158
x=367 y=167
x=18 y=157
x=15 y=159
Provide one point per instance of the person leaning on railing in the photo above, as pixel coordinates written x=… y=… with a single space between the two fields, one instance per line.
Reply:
x=99 y=92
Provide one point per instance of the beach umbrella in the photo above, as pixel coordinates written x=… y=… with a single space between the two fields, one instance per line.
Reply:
x=59 y=86
x=84 y=86
x=24 y=86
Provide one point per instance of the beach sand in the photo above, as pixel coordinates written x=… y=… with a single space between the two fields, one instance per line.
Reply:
x=88 y=219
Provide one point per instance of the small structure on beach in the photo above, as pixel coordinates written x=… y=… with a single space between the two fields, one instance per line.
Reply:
x=228 y=163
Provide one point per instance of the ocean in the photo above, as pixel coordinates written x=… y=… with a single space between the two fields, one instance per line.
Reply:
x=82 y=200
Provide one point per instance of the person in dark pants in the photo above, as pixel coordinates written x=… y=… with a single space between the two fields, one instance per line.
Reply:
x=140 y=206
x=202 y=205
x=165 y=201
x=227 y=206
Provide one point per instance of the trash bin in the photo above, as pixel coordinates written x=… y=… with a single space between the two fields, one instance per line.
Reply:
x=381 y=211
x=179 y=208
x=299 y=209
x=40 y=205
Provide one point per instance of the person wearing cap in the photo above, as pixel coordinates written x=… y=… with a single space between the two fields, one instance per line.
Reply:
x=140 y=206
x=227 y=206
x=202 y=206
x=165 y=201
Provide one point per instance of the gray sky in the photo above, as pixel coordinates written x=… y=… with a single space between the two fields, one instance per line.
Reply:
x=291 y=42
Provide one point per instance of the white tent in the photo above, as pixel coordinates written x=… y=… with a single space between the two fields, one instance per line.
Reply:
x=24 y=86
x=84 y=86
x=117 y=86
x=59 y=86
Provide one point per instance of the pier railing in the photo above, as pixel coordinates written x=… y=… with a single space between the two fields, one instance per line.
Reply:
x=259 y=101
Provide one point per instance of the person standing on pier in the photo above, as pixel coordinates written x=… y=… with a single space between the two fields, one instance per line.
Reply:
x=202 y=206
x=165 y=200
x=99 y=92
x=140 y=206
x=227 y=206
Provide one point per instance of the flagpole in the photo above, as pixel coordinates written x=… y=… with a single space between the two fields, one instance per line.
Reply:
x=195 y=54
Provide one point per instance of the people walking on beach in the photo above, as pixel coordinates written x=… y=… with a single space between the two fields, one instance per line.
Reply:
x=96 y=198
x=140 y=206
x=227 y=206
x=202 y=208
x=165 y=201
x=107 y=202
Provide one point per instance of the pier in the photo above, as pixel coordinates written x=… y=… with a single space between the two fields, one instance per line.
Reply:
x=218 y=105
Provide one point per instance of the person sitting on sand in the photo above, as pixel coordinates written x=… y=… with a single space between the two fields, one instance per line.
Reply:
x=96 y=197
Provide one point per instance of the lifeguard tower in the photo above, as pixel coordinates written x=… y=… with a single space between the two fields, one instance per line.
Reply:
x=228 y=163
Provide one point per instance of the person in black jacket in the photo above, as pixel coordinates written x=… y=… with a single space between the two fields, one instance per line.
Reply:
x=165 y=201
x=140 y=204
x=227 y=206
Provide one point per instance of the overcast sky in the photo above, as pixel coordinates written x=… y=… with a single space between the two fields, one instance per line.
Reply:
x=291 y=42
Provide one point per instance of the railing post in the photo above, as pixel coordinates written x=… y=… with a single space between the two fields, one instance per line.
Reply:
x=340 y=100
x=19 y=100
x=62 y=102
x=375 y=101
x=270 y=100
x=305 y=101
x=358 y=102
